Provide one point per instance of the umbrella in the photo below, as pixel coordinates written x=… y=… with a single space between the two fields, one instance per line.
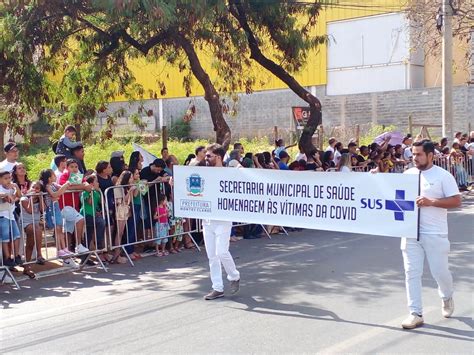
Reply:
x=395 y=138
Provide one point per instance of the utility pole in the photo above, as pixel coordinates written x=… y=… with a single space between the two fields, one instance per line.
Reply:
x=447 y=68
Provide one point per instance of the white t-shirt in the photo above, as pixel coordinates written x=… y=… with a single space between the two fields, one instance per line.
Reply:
x=194 y=162
x=301 y=156
x=329 y=148
x=58 y=173
x=407 y=154
x=7 y=209
x=278 y=151
x=435 y=183
x=337 y=157
x=345 y=169
x=7 y=166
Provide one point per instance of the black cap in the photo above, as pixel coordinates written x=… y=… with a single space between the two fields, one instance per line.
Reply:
x=9 y=146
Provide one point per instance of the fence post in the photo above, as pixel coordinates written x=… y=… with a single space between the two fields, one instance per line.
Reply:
x=275 y=133
x=357 y=134
x=3 y=128
x=164 y=136
x=321 y=137
x=410 y=125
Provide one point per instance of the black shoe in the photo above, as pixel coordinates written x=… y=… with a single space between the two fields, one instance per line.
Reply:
x=18 y=260
x=234 y=287
x=9 y=262
x=89 y=262
x=213 y=295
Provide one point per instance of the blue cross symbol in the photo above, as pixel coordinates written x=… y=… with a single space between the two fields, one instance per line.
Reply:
x=399 y=205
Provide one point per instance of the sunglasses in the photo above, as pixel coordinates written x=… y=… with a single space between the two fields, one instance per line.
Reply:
x=210 y=156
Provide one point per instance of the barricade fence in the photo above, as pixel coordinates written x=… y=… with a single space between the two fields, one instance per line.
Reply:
x=133 y=218
x=39 y=231
x=460 y=166
x=79 y=224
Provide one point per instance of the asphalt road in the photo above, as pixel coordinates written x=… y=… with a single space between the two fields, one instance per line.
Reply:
x=311 y=292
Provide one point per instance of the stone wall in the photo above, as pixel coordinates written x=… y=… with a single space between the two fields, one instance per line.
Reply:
x=259 y=112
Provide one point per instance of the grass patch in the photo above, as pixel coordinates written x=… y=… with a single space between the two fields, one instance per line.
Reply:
x=39 y=157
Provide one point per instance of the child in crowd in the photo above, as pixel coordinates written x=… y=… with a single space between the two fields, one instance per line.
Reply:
x=162 y=227
x=387 y=162
x=70 y=204
x=32 y=206
x=60 y=163
x=53 y=213
x=91 y=210
x=176 y=228
x=30 y=209
x=123 y=198
x=9 y=232
x=66 y=142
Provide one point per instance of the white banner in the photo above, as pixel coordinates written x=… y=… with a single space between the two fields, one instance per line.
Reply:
x=378 y=204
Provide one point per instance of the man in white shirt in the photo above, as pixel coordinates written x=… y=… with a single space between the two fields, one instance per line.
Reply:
x=301 y=156
x=438 y=192
x=200 y=156
x=12 y=153
x=407 y=153
x=332 y=142
x=217 y=240
x=337 y=153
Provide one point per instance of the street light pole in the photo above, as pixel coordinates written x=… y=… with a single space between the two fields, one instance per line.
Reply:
x=447 y=68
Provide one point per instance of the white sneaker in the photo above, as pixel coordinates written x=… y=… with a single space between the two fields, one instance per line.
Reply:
x=81 y=249
x=70 y=263
x=413 y=321
x=63 y=253
x=447 y=307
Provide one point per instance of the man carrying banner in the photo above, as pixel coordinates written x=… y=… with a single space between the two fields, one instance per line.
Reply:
x=217 y=240
x=438 y=192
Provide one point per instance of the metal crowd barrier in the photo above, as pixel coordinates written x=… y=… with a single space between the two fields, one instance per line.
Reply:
x=38 y=236
x=462 y=168
x=119 y=227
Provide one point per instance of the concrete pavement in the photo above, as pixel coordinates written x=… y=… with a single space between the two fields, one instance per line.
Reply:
x=309 y=292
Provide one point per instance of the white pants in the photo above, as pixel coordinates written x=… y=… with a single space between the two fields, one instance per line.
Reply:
x=217 y=239
x=436 y=248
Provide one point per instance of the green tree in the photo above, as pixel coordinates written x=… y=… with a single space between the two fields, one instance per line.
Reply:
x=288 y=25
x=91 y=41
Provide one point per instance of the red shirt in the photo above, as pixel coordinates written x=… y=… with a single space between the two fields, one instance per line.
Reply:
x=71 y=199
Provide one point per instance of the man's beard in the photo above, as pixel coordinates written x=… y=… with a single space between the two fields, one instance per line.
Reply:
x=421 y=166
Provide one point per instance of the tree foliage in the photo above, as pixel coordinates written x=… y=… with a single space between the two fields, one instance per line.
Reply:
x=426 y=19
x=67 y=58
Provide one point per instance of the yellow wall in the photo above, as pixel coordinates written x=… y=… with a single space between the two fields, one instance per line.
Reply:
x=460 y=70
x=314 y=72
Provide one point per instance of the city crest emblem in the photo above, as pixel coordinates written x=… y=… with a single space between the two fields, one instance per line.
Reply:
x=195 y=185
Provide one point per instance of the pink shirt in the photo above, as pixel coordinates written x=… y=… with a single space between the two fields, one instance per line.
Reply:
x=163 y=214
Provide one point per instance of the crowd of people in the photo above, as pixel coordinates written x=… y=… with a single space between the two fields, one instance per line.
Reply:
x=131 y=204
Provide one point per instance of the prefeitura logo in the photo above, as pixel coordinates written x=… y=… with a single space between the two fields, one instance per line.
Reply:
x=195 y=185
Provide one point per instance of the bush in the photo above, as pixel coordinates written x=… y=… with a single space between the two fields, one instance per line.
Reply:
x=180 y=130
x=39 y=157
